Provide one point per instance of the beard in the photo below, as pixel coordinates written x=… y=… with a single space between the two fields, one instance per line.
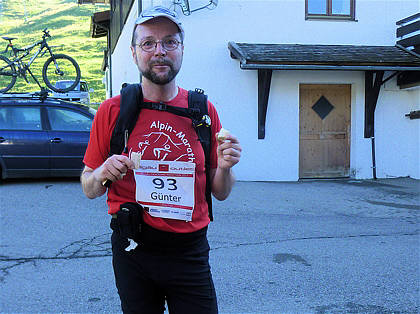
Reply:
x=161 y=78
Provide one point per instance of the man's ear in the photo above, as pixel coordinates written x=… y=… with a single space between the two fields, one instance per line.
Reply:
x=133 y=52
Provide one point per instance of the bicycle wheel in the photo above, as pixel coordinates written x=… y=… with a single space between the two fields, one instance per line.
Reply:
x=8 y=74
x=61 y=67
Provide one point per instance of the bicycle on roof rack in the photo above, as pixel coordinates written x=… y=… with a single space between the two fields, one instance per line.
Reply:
x=57 y=67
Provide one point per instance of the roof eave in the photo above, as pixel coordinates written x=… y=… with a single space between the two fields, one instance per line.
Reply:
x=254 y=66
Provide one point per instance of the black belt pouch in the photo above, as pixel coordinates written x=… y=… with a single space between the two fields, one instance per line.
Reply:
x=129 y=221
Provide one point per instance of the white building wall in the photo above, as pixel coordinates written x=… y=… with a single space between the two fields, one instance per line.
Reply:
x=208 y=65
x=124 y=69
x=397 y=137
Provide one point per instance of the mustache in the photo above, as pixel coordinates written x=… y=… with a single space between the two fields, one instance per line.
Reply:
x=161 y=62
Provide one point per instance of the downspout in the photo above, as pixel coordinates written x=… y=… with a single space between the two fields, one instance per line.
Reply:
x=373 y=157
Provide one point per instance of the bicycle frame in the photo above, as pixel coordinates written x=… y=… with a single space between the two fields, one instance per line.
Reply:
x=18 y=61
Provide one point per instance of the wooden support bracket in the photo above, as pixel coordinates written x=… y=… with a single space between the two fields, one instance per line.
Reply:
x=372 y=87
x=264 y=82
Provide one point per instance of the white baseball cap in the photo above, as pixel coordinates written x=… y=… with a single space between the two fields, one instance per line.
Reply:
x=159 y=11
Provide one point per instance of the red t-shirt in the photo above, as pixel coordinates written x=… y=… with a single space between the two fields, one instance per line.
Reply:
x=159 y=136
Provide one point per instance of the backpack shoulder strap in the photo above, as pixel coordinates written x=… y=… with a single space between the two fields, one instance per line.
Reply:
x=183 y=112
x=130 y=106
x=198 y=100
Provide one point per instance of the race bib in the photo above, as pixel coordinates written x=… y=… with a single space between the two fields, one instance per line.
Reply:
x=166 y=188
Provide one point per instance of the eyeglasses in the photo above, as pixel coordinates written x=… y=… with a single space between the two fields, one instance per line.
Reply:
x=168 y=44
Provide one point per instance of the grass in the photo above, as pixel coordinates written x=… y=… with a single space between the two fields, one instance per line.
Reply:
x=69 y=26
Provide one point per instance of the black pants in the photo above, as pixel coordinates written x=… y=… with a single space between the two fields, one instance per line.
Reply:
x=165 y=266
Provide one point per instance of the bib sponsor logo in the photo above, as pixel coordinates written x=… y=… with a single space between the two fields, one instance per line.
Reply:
x=163 y=167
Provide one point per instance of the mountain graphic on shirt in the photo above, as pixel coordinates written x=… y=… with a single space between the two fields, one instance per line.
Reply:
x=162 y=146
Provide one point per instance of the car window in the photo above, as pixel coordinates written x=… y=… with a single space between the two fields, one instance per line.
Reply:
x=65 y=84
x=20 y=118
x=68 y=120
x=3 y=119
x=83 y=87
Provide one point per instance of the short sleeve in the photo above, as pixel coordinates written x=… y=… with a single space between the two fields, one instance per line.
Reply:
x=98 y=148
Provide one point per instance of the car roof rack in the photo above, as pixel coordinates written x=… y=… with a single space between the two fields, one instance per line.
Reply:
x=41 y=95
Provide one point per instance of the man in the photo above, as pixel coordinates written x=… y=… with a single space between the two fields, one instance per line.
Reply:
x=170 y=261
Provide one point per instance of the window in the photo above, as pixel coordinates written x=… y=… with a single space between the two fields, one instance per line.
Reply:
x=83 y=87
x=331 y=9
x=67 y=120
x=20 y=118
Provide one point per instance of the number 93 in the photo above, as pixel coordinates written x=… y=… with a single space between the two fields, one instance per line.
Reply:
x=160 y=184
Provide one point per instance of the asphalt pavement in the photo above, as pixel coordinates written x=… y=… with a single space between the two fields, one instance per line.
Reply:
x=332 y=246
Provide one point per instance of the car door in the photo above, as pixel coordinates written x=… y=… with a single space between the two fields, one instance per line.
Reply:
x=69 y=136
x=24 y=146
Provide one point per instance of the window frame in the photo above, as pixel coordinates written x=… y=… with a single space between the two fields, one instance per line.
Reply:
x=329 y=15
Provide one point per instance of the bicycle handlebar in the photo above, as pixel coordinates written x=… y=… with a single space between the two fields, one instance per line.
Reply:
x=46 y=33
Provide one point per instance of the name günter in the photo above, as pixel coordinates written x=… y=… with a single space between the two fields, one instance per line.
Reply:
x=164 y=197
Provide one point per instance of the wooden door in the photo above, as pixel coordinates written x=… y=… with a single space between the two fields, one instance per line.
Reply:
x=324 y=130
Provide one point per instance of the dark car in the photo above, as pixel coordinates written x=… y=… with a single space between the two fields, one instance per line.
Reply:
x=42 y=138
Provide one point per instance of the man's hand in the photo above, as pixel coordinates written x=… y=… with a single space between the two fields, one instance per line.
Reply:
x=228 y=154
x=113 y=169
x=228 y=151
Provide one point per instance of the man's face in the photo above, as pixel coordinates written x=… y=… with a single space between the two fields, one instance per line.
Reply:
x=159 y=66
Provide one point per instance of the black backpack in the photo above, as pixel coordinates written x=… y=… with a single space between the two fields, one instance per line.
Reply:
x=130 y=106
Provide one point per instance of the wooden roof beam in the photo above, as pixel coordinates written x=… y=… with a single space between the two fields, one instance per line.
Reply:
x=264 y=83
x=372 y=88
